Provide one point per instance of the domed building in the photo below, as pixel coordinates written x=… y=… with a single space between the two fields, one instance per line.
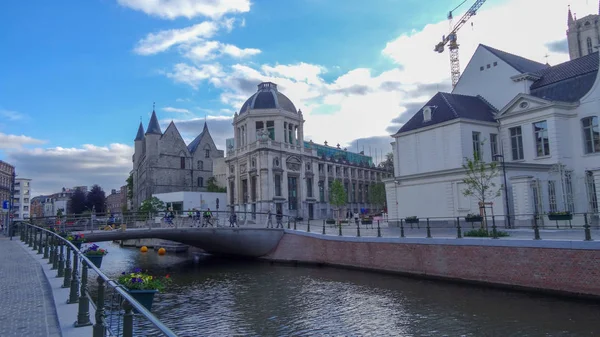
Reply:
x=271 y=167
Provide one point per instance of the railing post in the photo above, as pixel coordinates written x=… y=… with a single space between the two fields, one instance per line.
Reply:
x=401 y=228
x=67 y=279
x=294 y=223
x=83 y=314
x=323 y=227
x=61 y=262
x=55 y=254
x=378 y=229
x=536 y=229
x=428 y=230
x=127 y=319
x=46 y=246
x=357 y=228
x=586 y=226
x=458 y=231
x=74 y=294
x=340 y=228
x=308 y=228
x=99 y=327
x=35 y=240
x=494 y=231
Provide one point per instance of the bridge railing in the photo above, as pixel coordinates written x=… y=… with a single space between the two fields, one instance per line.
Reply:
x=116 y=312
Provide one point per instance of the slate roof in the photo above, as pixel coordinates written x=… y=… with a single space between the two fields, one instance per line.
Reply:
x=521 y=64
x=568 y=81
x=140 y=133
x=267 y=97
x=194 y=144
x=452 y=106
x=153 y=126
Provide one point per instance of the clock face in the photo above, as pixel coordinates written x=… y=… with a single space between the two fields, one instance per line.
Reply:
x=523 y=105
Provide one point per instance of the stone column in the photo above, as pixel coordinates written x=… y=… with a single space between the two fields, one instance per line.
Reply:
x=285 y=134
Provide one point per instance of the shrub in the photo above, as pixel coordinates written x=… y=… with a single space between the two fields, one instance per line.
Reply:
x=483 y=233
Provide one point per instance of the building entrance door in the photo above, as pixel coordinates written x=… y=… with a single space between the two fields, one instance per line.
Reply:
x=310 y=211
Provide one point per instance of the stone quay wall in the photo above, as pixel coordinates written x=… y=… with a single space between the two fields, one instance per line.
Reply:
x=569 y=268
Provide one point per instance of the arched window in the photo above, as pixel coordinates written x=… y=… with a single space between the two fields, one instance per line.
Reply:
x=182 y=162
x=200 y=165
x=589 y=45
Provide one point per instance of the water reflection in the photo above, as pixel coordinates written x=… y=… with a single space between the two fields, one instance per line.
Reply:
x=218 y=297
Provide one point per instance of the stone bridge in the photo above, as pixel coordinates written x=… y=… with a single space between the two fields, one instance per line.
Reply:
x=249 y=242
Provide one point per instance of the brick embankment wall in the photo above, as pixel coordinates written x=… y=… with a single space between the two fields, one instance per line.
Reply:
x=550 y=267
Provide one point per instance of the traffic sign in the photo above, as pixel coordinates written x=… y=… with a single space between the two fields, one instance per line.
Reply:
x=5 y=204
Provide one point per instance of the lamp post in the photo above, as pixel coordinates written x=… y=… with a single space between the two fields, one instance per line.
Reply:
x=505 y=189
x=10 y=203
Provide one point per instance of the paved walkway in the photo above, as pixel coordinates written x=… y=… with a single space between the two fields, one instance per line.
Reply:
x=27 y=302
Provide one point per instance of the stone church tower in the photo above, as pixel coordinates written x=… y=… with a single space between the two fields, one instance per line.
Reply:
x=583 y=35
x=163 y=163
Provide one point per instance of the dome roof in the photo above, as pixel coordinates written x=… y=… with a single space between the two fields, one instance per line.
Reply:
x=267 y=97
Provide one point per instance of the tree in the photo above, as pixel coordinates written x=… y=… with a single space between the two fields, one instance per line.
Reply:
x=338 y=195
x=388 y=163
x=211 y=186
x=129 y=181
x=77 y=202
x=96 y=199
x=152 y=205
x=480 y=180
x=377 y=195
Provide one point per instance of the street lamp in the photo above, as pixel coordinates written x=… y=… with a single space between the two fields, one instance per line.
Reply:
x=505 y=188
x=10 y=207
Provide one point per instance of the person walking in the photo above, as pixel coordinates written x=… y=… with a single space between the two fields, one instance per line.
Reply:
x=207 y=217
x=233 y=220
x=279 y=218
x=269 y=220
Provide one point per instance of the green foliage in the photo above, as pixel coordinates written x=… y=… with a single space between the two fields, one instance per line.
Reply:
x=377 y=195
x=480 y=179
x=96 y=199
x=59 y=212
x=77 y=202
x=483 y=233
x=137 y=280
x=338 y=194
x=211 y=186
x=124 y=209
x=129 y=187
x=152 y=205
x=559 y=213
x=388 y=163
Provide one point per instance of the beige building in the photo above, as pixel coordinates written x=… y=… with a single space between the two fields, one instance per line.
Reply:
x=163 y=163
x=7 y=172
x=270 y=166
x=583 y=35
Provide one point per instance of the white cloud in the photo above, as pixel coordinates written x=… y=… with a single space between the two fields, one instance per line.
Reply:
x=54 y=168
x=171 y=9
x=158 y=42
x=191 y=75
x=208 y=50
x=176 y=110
x=11 y=115
x=237 y=52
x=16 y=142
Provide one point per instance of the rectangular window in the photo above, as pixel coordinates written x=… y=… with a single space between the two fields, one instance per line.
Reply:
x=347 y=190
x=329 y=190
x=477 y=145
x=542 y=144
x=207 y=153
x=591 y=191
x=353 y=193
x=552 y=196
x=322 y=191
x=182 y=162
x=253 y=188
x=245 y=191
x=494 y=145
x=569 y=191
x=277 y=185
x=309 y=188
x=292 y=193
x=516 y=143
x=591 y=134
x=360 y=193
x=271 y=129
x=200 y=182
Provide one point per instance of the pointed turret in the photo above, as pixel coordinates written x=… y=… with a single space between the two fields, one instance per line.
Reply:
x=140 y=133
x=153 y=126
x=205 y=128
x=570 y=17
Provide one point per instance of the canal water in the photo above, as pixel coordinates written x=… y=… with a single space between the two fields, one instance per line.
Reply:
x=219 y=297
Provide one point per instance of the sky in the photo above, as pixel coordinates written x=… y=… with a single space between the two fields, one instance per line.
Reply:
x=76 y=77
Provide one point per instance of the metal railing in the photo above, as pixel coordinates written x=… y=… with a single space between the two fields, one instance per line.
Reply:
x=116 y=312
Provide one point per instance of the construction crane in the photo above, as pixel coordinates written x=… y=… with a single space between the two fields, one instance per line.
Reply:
x=451 y=39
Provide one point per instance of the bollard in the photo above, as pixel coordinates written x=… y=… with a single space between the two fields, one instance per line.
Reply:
x=357 y=228
x=401 y=228
x=46 y=243
x=99 y=327
x=127 y=319
x=536 y=229
x=74 y=294
x=294 y=223
x=308 y=228
x=323 y=227
x=83 y=314
x=428 y=230
x=340 y=228
x=61 y=262
x=458 y=232
x=586 y=226
x=494 y=231
x=378 y=229
x=67 y=279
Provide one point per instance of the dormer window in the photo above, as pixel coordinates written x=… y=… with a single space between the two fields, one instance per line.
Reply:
x=426 y=114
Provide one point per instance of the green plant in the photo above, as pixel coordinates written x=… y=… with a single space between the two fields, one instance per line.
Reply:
x=559 y=213
x=137 y=280
x=414 y=217
x=338 y=195
x=483 y=233
x=480 y=180
x=472 y=215
x=75 y=237
x=152 y=205
x=95 y=250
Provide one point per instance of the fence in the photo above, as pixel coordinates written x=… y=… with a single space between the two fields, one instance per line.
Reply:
x=114 y=307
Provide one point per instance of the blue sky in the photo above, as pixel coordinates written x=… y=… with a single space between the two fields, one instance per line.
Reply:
x=78 y=75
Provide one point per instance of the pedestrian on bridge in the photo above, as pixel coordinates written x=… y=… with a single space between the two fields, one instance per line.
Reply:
x=269 y=219
x=233 y=220
x=279 y=218
x=207 y=217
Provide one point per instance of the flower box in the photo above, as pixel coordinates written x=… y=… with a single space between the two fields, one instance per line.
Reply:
x=367 y=222
x=411 y=220
x=330 y=222
x=144 y=297
x=95 y=259
x=477 y=218
x=560 y=217
x=143 y=286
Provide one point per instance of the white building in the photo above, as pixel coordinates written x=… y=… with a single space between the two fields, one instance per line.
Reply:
x=270 y=166
x=185 y=201
x=543 y=120
x=22 y=195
